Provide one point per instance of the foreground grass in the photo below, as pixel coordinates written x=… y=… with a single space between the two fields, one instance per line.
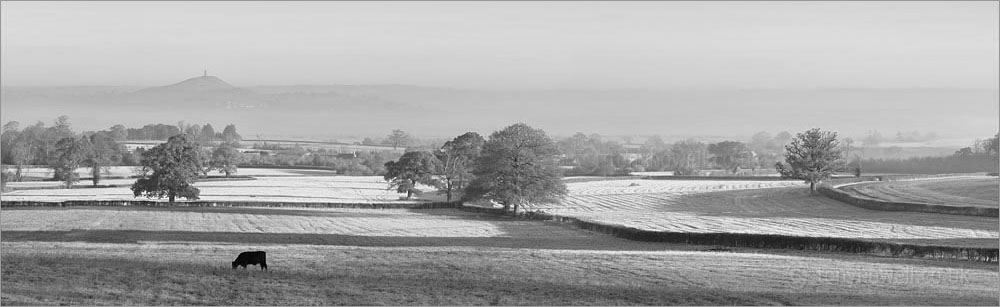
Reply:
x=54 y=273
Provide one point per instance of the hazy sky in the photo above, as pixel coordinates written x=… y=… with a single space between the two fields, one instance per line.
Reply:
x=657 y=45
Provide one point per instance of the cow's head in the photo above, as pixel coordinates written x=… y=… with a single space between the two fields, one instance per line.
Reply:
x=235 y=265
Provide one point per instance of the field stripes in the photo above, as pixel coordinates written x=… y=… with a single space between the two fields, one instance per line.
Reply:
x=734 y=208
x=961 y=191
x=359 y=222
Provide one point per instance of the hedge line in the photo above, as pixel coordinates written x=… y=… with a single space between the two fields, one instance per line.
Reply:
x=496 y=211
x=770 y=241
x=876 y=204
x=149 y=203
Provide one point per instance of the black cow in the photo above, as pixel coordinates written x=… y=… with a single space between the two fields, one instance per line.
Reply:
x=251 y=258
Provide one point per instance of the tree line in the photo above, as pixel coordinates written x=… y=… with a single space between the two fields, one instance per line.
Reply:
x=65 y=151
x=981 y=156
x=593 y=156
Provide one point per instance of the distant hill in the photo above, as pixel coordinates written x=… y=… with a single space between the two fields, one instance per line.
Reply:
x=202 y=93
x=194 y=85
x=374 y=110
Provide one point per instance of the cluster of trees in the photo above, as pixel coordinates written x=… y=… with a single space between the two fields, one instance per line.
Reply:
x=363 y=164
x=514 y=166
x=65 y=151
x=874 y=138
x=591 y=155
x=61 y=149
x=161 y=132
x=982 y=156
x=207 y=133
x=171 y=169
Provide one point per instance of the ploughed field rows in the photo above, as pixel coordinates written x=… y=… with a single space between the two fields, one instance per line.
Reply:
x=324 y=189
x=960 y=191
x=51 y=273
x=781 y=211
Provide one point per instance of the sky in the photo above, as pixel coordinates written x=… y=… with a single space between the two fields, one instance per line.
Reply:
x=506 y=45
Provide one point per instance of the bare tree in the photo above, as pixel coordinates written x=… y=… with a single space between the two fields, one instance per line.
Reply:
x=812 y=156
x=398 y=138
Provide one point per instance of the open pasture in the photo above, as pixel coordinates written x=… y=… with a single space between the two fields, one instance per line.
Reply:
x=329 y=260
x=326 y=189
x=703 y=207
x=961 y=191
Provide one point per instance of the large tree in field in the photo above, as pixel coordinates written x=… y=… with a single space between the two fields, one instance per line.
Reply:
x=229 y=134
x=103 y=153
x=225 y=158
x=397 y=138
x=812 y=156
x=688 y=157
x=412 y=168
x=729 y=155
x=517 y=166
x=70 y=154
x=171 y=170
x=457 y=159
x=207 y=133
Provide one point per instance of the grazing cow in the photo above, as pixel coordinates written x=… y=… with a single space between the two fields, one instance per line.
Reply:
x=251 y=258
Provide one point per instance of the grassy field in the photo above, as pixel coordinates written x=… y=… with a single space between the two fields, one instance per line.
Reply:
x=703 y=207
x=515 y=262
x=968 y=191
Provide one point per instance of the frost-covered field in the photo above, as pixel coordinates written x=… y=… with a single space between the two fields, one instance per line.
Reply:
x=982 y=191
x=58 y=184
x=701 y=206
x=331 y=189
x=766 y=207
x=358 y=222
